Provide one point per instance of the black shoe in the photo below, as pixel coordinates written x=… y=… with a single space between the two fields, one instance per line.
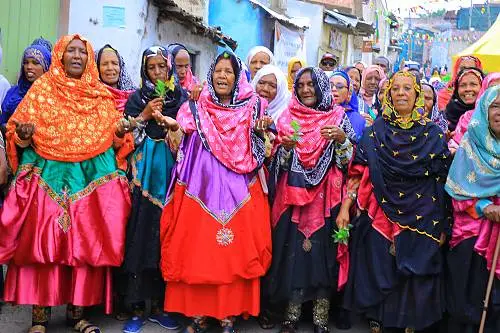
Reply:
x=343 y=320
x=321 y=329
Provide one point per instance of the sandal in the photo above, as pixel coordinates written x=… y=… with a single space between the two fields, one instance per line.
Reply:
x=375 y=327
x=264 y=320
x=84 y=326
x=37 y=329
x=196 y=328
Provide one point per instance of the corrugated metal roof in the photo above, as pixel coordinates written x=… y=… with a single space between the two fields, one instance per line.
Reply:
x=297 y=23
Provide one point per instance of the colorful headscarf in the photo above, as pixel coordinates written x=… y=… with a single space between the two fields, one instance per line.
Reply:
x=436 y=116
x=227 y=130
x=282 y=99
x=321 y=87
x=369 y=100
x=456 y=107
x=189 y=80
x=475 y=171
x=292 y=62
x=125 y=83
x=389 y=111
x=351 y=106
x=38 y=50
x=75 y=119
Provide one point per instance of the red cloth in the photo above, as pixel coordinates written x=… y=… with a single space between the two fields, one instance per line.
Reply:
x=189 y=81
x=120 y=97
x=204 y=277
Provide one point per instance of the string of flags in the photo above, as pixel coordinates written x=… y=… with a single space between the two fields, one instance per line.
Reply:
x=428 y=38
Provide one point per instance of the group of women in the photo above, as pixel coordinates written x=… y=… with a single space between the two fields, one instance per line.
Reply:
x=251 y=194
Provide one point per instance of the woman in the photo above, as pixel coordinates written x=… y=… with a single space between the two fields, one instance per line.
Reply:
x=113 y=73
x=473 y=183
x=397 y=180
x=467 y=86
x=305 y=190
x=490 y=80
x=355 y=77
x=382 y=87
x=35 y=62
x=368 y=92
x=150 y=169
x=343 y=95
x=431 y=107
x=361 y=66
x=258 y=57
x=213 y=248
x=63 y=224
x=446 y=94
x=182 y=66
x=270 y=84
x=294 y=66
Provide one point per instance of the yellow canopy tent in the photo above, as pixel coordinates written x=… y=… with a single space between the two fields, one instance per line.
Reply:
x=486 y=49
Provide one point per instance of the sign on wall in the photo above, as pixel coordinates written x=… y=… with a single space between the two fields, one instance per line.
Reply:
x=287 y=44
x=336 y=42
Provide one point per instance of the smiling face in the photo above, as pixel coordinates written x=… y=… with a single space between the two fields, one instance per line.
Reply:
x=428 y=98
x=223 y=80
x=372 y=81
x=468 y=88
x=305 y=90
x=32 y=69
x=494 y=117
x=403 y=94
x=355 y=78
x=156 y=68
x=109 y=68
x=182 y=63
x=339 y=88
x=267 y=87
x=259 y=60
x=75 y=59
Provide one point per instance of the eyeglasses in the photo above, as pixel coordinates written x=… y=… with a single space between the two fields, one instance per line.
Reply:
x=338 y=86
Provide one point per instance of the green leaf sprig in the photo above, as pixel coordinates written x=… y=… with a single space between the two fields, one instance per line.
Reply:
x=342 y=235
x=160 y=89
x=296 y=130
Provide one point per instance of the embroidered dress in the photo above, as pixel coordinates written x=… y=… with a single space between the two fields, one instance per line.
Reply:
x=63 y=221
x=215 y=228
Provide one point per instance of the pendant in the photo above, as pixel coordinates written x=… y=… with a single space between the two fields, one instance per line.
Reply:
x=307 y=245
x=225 y=236
x=392 y=249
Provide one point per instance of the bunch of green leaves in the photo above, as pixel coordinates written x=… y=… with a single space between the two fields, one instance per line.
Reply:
x=160 y=89
x=342 y=235
x=296 y=130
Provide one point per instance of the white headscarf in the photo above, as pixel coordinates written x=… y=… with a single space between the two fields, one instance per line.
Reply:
x=283 y=95
x=254 y=50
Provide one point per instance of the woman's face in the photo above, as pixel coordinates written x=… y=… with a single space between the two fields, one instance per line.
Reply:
x=372 y=81
x=355 y=78
x=295 y=68
x=32 y=69
x=403 y=94
x=267 y=87
x=305 y=90
x=109 y=68
x=223 y=78
x=494 y=117
x=259 y=60
x=182 y=63
x=156 y=68
x=468 y=88
x=340 y=90
x=75 y=59
x=428 y=98
x=382 y=90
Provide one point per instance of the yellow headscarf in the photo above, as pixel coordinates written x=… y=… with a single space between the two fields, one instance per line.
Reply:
x=292 y=62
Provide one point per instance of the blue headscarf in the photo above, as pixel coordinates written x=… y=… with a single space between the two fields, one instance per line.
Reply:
x=40 y=50
x=351 y=106
x=475 y=171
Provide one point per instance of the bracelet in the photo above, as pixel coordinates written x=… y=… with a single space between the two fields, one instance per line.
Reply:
x=20 y=142
x=352 y=195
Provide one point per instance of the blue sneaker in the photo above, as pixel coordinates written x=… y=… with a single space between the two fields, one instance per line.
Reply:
x=164 y=320
x=134 y=325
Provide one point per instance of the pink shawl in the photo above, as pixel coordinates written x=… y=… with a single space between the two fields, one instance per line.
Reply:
x=120 y=97
x=370 y=69
x=189 y=81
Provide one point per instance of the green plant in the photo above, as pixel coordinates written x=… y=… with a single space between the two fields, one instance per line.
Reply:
x=342 y=235
x=296 y=130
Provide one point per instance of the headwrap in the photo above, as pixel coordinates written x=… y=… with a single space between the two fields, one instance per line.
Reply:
x=189 y=80
x=383 y=59
x=475 y=171
x=347 y=69
x=291 y=62
x=256 y=49
x=445 y=95
x=125 y=86
x=75 y=119
x=142 y=96
x=321 y=87
x=282 y=99
x=456 y=107
x=227 y=130
x=351 y=107
x=38 y=50
x=370 y=69
x=436 y=116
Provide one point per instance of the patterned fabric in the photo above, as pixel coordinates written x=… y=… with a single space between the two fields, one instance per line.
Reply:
x=189 y=80
x=321 y=88
x=227 y=129
x=125 y=83
x=292 y=62
x=38 y=50
x=282 y=98
x=75 y=119
x=476 y=167
x=436 y=116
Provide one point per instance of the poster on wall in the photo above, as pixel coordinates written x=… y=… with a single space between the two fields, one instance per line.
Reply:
x=113 y=17
x=287 y=43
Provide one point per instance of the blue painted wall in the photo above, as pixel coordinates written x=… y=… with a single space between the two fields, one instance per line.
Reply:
x=240 y=20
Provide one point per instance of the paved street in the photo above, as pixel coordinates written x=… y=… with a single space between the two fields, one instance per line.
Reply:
x=17 y=320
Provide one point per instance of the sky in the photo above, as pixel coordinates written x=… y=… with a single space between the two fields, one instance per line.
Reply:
x=431 y=5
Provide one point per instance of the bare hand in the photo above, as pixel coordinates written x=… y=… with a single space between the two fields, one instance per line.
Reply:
x=263 y=123
x=288 y=142
x=154 y=105
x=24 y=130
x=166 y=122
x=123 y=126
x=449 y=135
x=334 y=133
x=492 y=213
x=368 y=118
x=197 y=89
x=343 y=217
